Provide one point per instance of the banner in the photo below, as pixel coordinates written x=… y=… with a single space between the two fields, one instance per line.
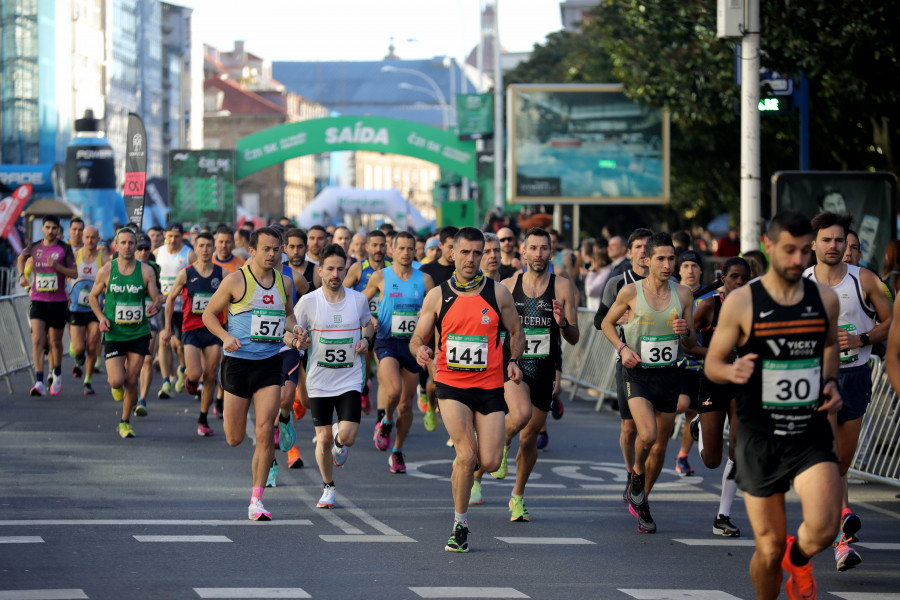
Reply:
x=201 y=186
x=11 y=207
x=475 y=115
x=135 y=169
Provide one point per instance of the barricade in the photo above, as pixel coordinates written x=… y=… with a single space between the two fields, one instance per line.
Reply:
x=15 y=333
x=592 y=362
x=877 y=456
x=9 y=279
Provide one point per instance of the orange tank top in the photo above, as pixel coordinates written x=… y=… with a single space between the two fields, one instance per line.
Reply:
x=469 y=352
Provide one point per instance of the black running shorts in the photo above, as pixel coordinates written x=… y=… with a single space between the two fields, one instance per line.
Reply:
x=245 y=376
x=660 y=386
x=54 y=314
x=140 y=346
x=478 y=400
x=347 y=405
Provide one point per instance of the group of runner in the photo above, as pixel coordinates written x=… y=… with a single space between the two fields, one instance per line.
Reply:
x=476 y=333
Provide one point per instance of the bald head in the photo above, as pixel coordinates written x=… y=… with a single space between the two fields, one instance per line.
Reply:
x=90 y=238
x=358 y=246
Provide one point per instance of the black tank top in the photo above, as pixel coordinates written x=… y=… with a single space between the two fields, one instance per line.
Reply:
x=707 y=333
x=542 y=339
x=308 y=275
x=784 y=391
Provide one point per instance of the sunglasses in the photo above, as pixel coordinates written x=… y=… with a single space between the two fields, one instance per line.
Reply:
x=506 y=239
x=143 y=247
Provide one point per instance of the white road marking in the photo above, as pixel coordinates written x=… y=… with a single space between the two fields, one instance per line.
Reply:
x=366 y=538
x=72 y=594
x=251 y=593
x=877 y=545
x=182 y=538
x=467 y=592
x=716 y=542
x=373 y=522
x=126 y=522
x=21 y=539
x=865 y=596
x=549 y=541
x=679 y=594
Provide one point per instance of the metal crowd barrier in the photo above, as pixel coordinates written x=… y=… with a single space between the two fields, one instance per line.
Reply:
x=877 y=455
x=591 y=363
x=9 y=279
x=15 y=337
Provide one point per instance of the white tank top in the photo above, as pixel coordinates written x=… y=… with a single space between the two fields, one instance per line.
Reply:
x=334 y=367
x=857 y=316
x=169 y=267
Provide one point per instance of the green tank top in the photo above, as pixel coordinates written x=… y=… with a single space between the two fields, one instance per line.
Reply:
x=125 y=295
x=649 y=332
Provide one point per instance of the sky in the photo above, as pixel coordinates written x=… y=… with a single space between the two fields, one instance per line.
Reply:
x=308 y=30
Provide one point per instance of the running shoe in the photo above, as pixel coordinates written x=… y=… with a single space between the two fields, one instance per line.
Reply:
x=642 y=513
x=204 y=430
x=273 y=475
x=430 y=419
x=125 y=430
x=682 y=467
x=257 y=512
x=423 y=400
x=327 y=499
x=517 y=510
x=179 y=383
x=382 y=435
x=845 y=557
x=294 y=460
x=118 y=393
x=141 y=408
x=396 y=462
x=695 y=428
x=556 y=408
x=850 y=524
x=459 y=539
x=475 y=494
x=56 y=386
x=287 y=435
x=366 y=405
x=88 y=390
x=338 y=455
x=38 y=389
x=71 y=348
x=504 y=465
x=77 y=371
x=165 y=392
x=724 y=527
x=800 y=584
x=299 y=409
x=98 y=365
x=542 y=440
x=191 y=387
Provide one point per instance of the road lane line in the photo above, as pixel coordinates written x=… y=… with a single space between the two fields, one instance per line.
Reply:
x=679 y=594
x=251 y=593
x=549 y=541
x=163 y=522
x=366 y=538
x=877 y=545
x=61 y=594
x=715 y=542
x=865 y=596
x=468 y=592
x=21 y=539
x=183 y=538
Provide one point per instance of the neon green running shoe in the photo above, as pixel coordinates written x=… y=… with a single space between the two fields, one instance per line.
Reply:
x=459 y=539
x=517 y=510
x=179 y=383
x=475 y=494
x=125 y=430
x=165 y=392
x=71 y=349
x=504 y=467
x=118 y=393
x=430 y=419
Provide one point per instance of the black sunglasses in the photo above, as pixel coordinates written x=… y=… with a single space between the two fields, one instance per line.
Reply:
x=506 y=239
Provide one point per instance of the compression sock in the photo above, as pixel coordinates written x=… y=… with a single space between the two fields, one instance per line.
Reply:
x=729 y=488
x=797 y=558
x=257 y=492
x=461 y=518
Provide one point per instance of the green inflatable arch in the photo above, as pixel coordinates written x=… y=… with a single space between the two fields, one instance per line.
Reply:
x=377 y=134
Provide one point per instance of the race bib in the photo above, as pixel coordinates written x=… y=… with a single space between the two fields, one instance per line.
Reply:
x=373 y=308
x=46 y=282
x=267 y=325
x=537 y=343
x=129 y=313
x=791 y=382
x=467 y=352
x=335 y=353
x=199 y=302
x=851 y=355
x=84 y=298
x=166 y=284
x=659 y=350
x=403 y=323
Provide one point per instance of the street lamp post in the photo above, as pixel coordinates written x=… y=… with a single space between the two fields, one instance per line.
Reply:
x=430 y=93
x=438 y=94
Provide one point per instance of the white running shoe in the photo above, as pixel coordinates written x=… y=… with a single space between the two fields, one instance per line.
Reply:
x=56 y=386
x=339 y=455
x=38 y=389
x=257 y=512
x=327 y=499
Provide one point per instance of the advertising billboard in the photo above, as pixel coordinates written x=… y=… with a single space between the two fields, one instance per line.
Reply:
x=582 y=143
x=869 y=196
x=201 y=186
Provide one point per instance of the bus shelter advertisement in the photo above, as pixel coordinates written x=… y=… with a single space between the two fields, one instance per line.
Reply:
x=202 y=186
x=585 y=144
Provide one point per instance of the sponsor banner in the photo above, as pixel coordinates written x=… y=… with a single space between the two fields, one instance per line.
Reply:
x=475 y=115
x=375 y=134
x=11 y=207
x=201 y=186
x=90 y=166
x=39 y=176
x=135 y=169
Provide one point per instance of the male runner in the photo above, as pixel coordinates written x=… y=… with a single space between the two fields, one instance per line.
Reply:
x=490 y=260
x=125 y=284
x=660 y=314
x=224 y=255
x=690 y=269
x=401 y=289
x=342 y=237
x=143 y=253
x=547 y=309
x=785 y=330
x=510 y=259
x=260 y=306
x=469 y=312
x=202 y=350
x=76 y=233
x=357 y=278
x=334 y=325
x=84 y=329
x=157 y=237
x=358 y=247
x=172 y=258
x=52 y=261
x=315 y=241
x=865 y=319
x=636 y=246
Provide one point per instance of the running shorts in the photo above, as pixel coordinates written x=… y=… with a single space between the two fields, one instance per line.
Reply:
x=201 y=338
x=245 y=376
x=660 y=386
x=478 y=400
x=54 y=314
x=139 y=345
x=347 y=405
x=397 y=348
x=82 y=319
x=856 y=391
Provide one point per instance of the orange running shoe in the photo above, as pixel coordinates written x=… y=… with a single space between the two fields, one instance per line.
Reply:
x=800 y=584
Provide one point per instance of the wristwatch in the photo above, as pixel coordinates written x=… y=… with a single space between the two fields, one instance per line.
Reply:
x=514 y=360
x=864 y=339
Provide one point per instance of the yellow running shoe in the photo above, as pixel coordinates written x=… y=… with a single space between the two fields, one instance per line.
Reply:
x=179 y=383
x=517 y=510
x=504 y=467
x=118 y=393
x=430 y=419
x=125 y=430
x=475 y=494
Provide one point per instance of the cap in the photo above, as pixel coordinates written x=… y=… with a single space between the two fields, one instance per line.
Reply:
x=432 y=243
x=690 y=256
x=143 y=241
x=195 y=229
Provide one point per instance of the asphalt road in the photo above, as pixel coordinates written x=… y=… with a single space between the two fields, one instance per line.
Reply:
x=85 y=514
